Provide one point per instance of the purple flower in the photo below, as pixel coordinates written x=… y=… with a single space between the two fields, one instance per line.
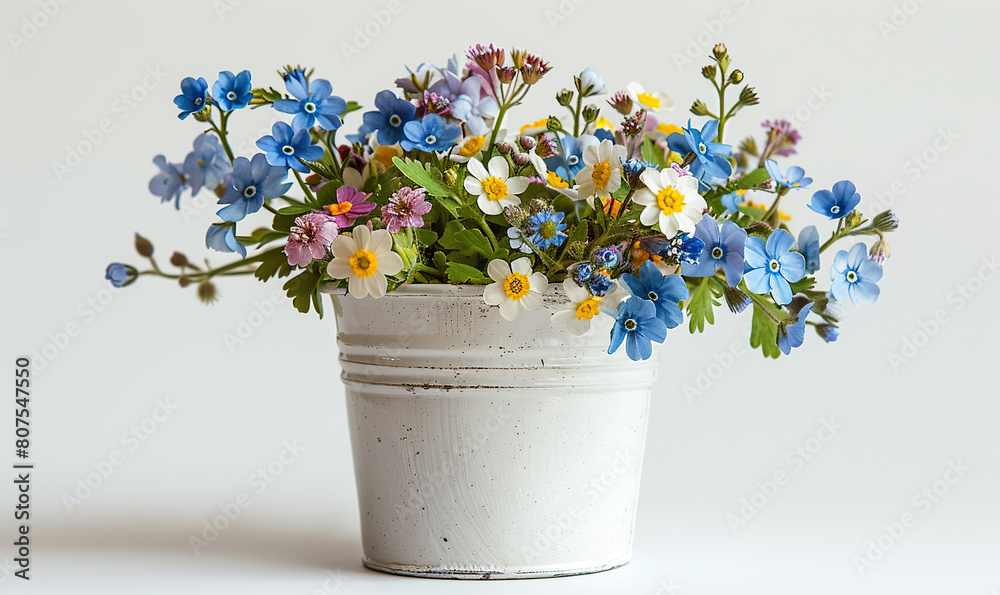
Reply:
x=309 y=237
x=406 y=208
x=312 y=104
x=351 y=204
x=781 y=137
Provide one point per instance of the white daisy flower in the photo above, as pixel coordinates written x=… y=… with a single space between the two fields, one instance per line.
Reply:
x=580 y=309
x=515 y=289
x=468 y=148
x=602 y=175
x=495 y=188
x=364 y=259
x=671 y=200
x=651 y=102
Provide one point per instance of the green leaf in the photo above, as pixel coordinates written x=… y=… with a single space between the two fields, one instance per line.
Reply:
x=426 y=237
x=463 y=273
x=466 y=241
x=803 y=285
x=753 y=179
x=440 y=261
x=273 y=262
x=701 y=303
x=327 y=194
x=261 y=236
x=653 y=153
x=352 y=106
x=321 y=169
x=301 y=289
x=764 y=333
x=430 y=180
x=295 y=210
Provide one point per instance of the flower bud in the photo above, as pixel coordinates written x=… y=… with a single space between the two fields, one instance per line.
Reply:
x=184 y=280
x=719 y=51
x=591 y=113
x=450 y=177
x=178 y=260
x=708 y=71
x=699 y=108
x=143 y=246
x=537 y=204
x=590 y=83
x=527 y=143
x=564 y=97
x=853 y=219
x=515 y=215
x=885 y=221
x=621 y=102
x=220 y=190
x=880 y=251
x=503 y=148
x=748 y=96
x=506 y=74
x=206 y=292
x=829 y=332
x=553 y=124
x=205 y=114
x=736 y=77
x=521 y=159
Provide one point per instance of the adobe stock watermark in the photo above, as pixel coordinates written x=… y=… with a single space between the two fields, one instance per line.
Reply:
x=795 y=461
x=667 y=586
x=722 y=362
x=365 y=33
x=957 y=299
x=31 y=25
x=223 y=8
x=247 y=325
x=700 y=45
x=87 y=312
x=258 y=482
x=818 y=96
x=122 y=107
x=563 y=11
x=922 y=503
x=333 y=583
x=898 y=17
x=914 y=168
x=621 y=463
x=130 y=441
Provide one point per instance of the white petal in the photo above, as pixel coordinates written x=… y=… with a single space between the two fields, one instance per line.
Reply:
x=339 y=268
x=490 y=207
x=574 y=292
x=651 y=178
x=389 y=263
x=686 y=184
x=499 y=168
x=517 y=185
x=650 y=215
x=363 y=236
x=644 y=196
x=538 y=282
x=668 y=225
x=498 y=270
x=531 y=301
x=509 y=201
x=380 y=243
x=521 y=265
x=476 y=169
x=590 y=155
x=473 y=186
x=376 y=285
x=565 y=316
x=578 y=326
x=344 y=247
x=585 y=175
x=510 y=310
x=494 y=294
x=356 y=287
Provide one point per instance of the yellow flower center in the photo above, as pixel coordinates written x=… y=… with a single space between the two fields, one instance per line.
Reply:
x=364 y=263
x=555 y=181
x=670 y=200
x=648 y=100
x=495 y=188
x=588 y=308
x=601 y=175
x=339 y=208
x=473 y=146
x=516 y=286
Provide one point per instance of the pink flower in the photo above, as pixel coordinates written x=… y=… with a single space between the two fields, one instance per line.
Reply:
x=351 y=204
x=406 y=208
x=309 y=237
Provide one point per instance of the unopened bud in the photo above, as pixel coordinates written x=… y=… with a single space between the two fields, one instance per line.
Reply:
x=748 y=96
x=527 y=143
x=708 y=71
x=184 y=280
x=591 y=113
x=736 y=77
x=853 y=219
x=880 y=251
x=564 y=97
x=143 y=246
x=450 y=177
x=178 y=260
x=206 y=292
x=506 y=74
x=553 y=124
x=537 y=204
x=719 y=51
x=515 y=215
x=503 y=148
x=521 y=159
x=885 y=221
x=699 y=108
x=220 y=190
x=205 y=114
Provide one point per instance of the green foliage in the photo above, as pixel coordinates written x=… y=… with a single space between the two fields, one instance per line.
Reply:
x=700 y=304
x=764 y=333
x=304 y=289
x=463 y=273
x=431 y=180
x=466 y=241
x=327 y=194
x=273 y=262
x=753 y=179
x=653 y=153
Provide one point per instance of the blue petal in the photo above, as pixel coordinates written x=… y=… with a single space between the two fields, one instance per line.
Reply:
x=793 y=266
x=780 y=290
x=758 y=280
x=863 y=292
x=778 y=243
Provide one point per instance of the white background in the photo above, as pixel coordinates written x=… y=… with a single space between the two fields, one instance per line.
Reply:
x=868 y=101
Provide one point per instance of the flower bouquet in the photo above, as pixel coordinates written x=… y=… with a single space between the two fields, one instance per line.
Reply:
x=510 y=262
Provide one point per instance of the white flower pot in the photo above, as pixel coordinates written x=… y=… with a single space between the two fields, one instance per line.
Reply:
x=485 y=448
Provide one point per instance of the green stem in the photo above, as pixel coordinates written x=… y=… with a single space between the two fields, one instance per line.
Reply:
x=722 y=103
x=223 y=134
x=758 y=302
x=576 y=114
x=305 y=188
x=270 y=208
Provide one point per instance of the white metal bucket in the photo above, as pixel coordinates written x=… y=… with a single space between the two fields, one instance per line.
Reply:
x=485 y=448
